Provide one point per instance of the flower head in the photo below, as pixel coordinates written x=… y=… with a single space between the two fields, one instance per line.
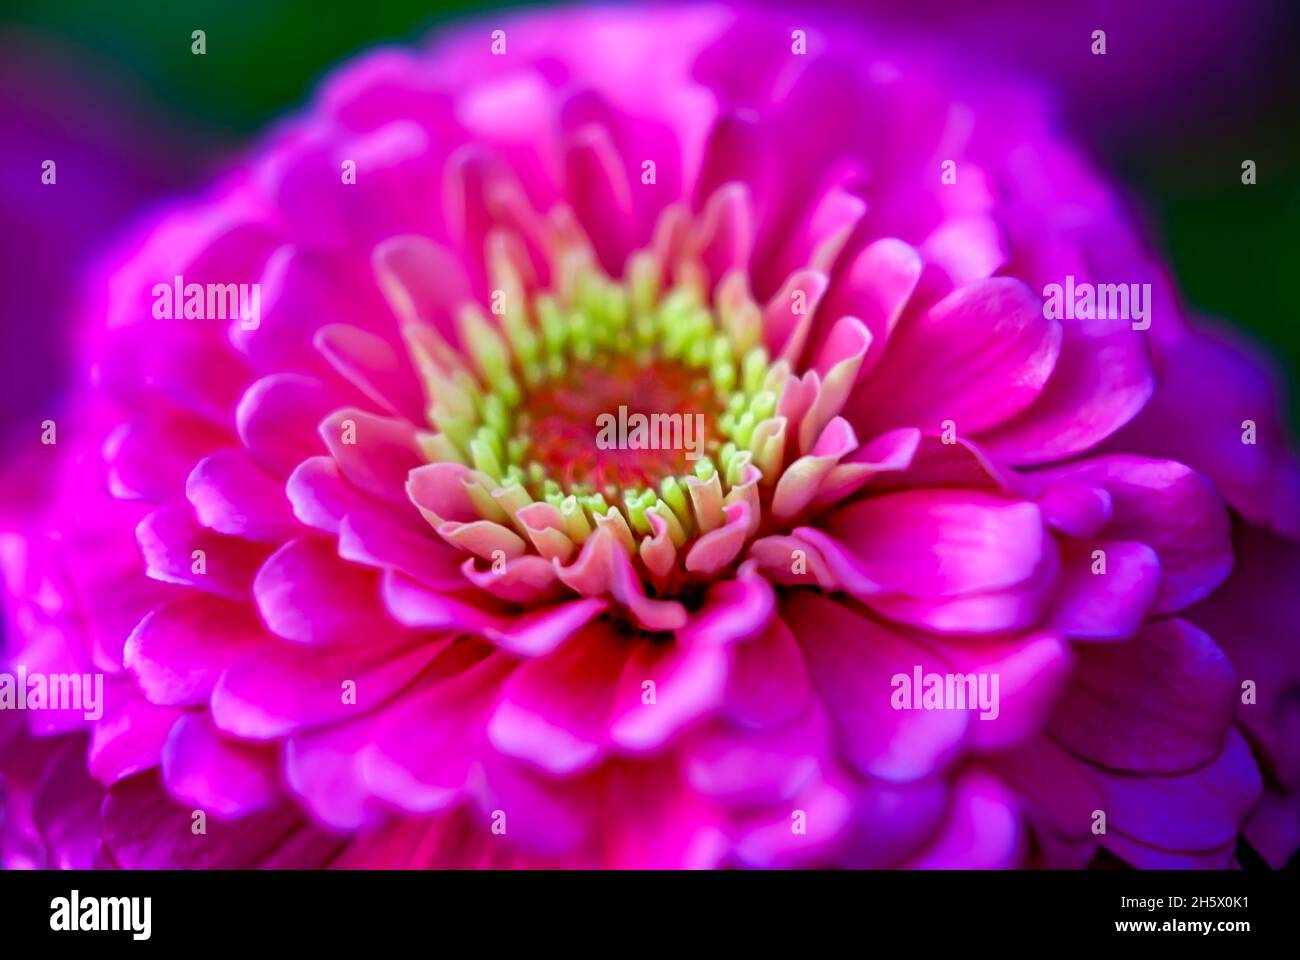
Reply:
x=398 y=602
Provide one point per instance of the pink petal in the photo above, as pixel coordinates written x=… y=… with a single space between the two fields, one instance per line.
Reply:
x=788 y=316
x=554 y=710
x=733 y=610
x=1110 y=605
x=381 y=453
x=756 y=767
x=726 y=230
x=178 y=651
x=280 y=689
x=177 y=549
x=324 y=771
x=978 y=357
x=1099 y=383
x=321 y=497
x=852 y=661
x=1031 y=673
x=528 y=580
x=372 y=365
x=933 y=462
x=1076 y=508
x=927 y=543
x=430 y=771
x=149 y=459
x=225 y=778
x=1205 y=428
x=689 y=680
x=768 y=841
x=1170 y=508
x=603 y=568
x=368 y=537
x=983 y=830
x=231 y=494
x=543 y=815
x=1158 y=703
x=307 y=594
x=144 y=829
x=666 y=825
x=875 y=287
x=892 y=822
x=130 y=736
x=1197 y=810
x=277 y=418
x=768 y=683
x=716 y=550
x=599 y=192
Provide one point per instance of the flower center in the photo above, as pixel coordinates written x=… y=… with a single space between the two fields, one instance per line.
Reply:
x=618 y=422
x=605 y=394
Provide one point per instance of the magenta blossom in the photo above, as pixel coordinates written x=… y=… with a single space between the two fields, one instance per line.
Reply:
x=370 y=587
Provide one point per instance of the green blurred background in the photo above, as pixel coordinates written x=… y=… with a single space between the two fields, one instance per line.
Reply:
x=1234 y=248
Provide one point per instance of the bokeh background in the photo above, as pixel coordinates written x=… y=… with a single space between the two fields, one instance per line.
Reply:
x=1188 y=89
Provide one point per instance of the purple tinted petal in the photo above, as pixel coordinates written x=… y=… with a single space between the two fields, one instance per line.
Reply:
x=1161 y=702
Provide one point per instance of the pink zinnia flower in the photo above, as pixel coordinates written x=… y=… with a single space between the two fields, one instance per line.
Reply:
x=368 y=591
